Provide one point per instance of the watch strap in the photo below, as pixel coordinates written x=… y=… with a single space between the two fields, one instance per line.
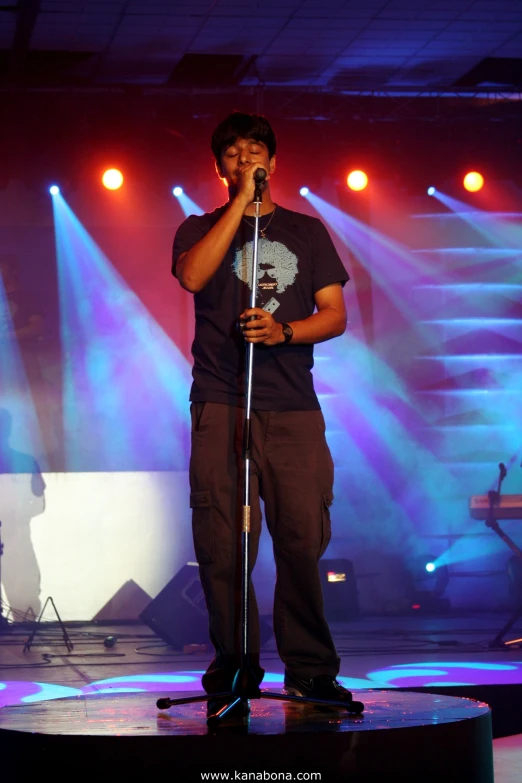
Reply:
x=288 y=332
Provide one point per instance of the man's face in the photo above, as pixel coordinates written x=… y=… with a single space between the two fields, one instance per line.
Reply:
x=240 y=153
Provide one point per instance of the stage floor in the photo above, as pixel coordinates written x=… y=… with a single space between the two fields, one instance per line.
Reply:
x=450 y=651
x=381 y=656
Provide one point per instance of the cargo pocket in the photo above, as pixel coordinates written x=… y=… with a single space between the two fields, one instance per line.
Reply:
x=326 y=522
x=202 y=526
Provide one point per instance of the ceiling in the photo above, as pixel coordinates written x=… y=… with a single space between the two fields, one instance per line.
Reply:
x=329 y=46
x=417 y=84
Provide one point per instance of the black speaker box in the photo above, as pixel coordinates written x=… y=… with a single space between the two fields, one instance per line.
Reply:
x=341 y=599
x=178 y=614
x=125 y=604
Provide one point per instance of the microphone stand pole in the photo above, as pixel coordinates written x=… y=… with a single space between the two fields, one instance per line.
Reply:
x=245 y=685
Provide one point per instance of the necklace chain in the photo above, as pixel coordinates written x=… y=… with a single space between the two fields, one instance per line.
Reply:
x=262 y=231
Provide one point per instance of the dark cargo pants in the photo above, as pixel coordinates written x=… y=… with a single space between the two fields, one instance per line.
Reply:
x=291 y=470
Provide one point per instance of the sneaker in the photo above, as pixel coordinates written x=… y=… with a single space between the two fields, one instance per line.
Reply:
x=323 y=686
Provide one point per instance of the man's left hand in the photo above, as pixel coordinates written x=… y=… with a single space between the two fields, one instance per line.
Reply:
x=262 y=328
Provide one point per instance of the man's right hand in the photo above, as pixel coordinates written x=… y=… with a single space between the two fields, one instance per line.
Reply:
x=245 y=182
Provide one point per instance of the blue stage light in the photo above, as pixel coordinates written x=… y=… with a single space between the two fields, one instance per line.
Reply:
x=54 y=190
x=426 y=581
x=103 y=386
x=431 y=190
x=177 y=191
x=304 y=191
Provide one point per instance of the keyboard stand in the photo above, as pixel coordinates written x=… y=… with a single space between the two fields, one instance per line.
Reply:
x=498 y=640
x=494 y=502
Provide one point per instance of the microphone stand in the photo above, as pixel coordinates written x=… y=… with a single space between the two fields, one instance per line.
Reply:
x=245 y=685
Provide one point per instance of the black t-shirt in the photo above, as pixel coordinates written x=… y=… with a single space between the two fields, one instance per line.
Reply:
x=296 y=259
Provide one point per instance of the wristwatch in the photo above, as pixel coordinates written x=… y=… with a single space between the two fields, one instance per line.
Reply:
x=288 y=332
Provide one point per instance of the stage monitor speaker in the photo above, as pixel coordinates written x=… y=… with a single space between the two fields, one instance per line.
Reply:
x=125 y=604
x=178 y=614
x=341 y=599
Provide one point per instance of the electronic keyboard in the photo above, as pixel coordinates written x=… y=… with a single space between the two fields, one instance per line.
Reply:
x=508 y=507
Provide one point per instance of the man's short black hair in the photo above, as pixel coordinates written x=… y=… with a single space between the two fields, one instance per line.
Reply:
x=239 y=125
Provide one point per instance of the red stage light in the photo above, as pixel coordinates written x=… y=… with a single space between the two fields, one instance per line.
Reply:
x=357 y=180
x=112 y=179
x=473 y=181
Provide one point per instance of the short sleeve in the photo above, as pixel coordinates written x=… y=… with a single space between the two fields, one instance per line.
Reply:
x=188 y=234
x=327 y=265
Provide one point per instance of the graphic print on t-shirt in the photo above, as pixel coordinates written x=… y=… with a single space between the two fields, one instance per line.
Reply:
x=276 y=268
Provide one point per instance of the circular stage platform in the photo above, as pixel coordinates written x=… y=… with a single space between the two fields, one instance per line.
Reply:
x=403 y=735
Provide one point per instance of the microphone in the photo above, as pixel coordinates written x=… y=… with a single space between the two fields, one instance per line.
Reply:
x=260 y=176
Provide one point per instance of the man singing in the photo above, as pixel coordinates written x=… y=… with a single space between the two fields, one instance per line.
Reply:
x=300 y=303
